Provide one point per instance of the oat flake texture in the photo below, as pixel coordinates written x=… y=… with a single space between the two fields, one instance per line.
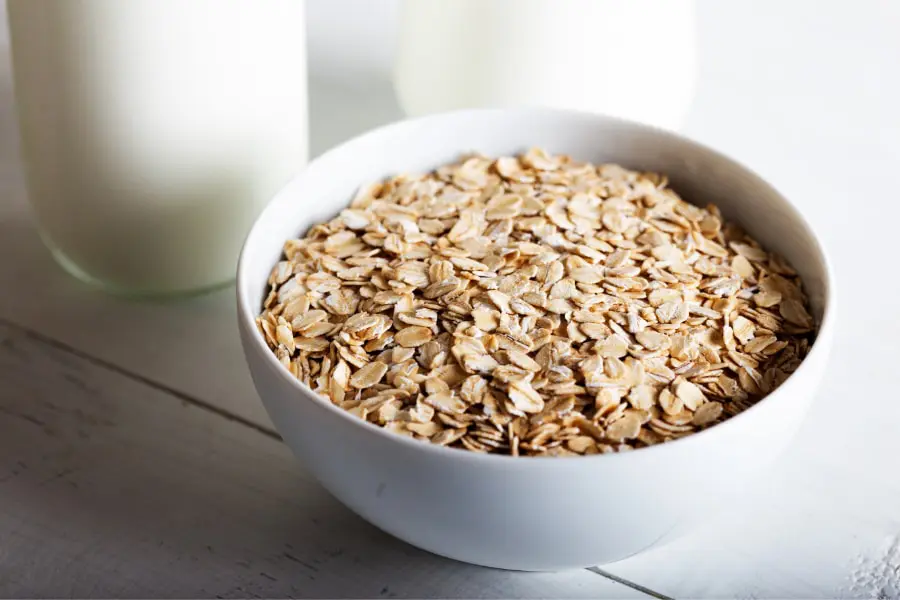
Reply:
x=533 y=306
x=877 y=575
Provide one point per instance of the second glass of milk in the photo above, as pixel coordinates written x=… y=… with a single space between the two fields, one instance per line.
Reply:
x=635 y=59
x=154 y=131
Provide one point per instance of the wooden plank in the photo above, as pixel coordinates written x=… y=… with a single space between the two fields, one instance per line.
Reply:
x=110 y=488
x=190 y=345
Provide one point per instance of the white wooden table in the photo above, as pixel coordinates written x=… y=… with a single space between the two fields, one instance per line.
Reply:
x=137 y=461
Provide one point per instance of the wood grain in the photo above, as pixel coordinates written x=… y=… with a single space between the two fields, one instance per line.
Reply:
x=109 y=488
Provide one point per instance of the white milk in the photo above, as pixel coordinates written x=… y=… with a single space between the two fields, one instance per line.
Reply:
x=629 y=58
x=153 y=131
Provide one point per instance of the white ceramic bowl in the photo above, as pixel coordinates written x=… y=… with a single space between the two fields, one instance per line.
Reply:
x=529 y=513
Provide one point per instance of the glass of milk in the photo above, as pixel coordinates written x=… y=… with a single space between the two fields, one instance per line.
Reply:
x=154 y=131
x=634 y=59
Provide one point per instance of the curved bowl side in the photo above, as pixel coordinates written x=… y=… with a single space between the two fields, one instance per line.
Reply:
x=530 y=513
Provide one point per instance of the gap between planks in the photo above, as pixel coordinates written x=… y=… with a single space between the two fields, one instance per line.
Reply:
x=105 y=364
x=220 y=412
x=635 y=586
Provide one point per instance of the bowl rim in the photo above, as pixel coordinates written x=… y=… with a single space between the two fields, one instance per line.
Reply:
x=247 y=315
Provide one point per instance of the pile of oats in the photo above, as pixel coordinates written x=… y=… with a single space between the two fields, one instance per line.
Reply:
x=535 y=305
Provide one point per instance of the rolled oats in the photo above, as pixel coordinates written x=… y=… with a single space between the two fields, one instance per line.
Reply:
x=535 y=305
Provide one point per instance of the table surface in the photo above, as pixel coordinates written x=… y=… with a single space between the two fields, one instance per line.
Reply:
x=137 y=461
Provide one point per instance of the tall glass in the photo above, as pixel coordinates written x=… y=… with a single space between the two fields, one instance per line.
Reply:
x=153 y=131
